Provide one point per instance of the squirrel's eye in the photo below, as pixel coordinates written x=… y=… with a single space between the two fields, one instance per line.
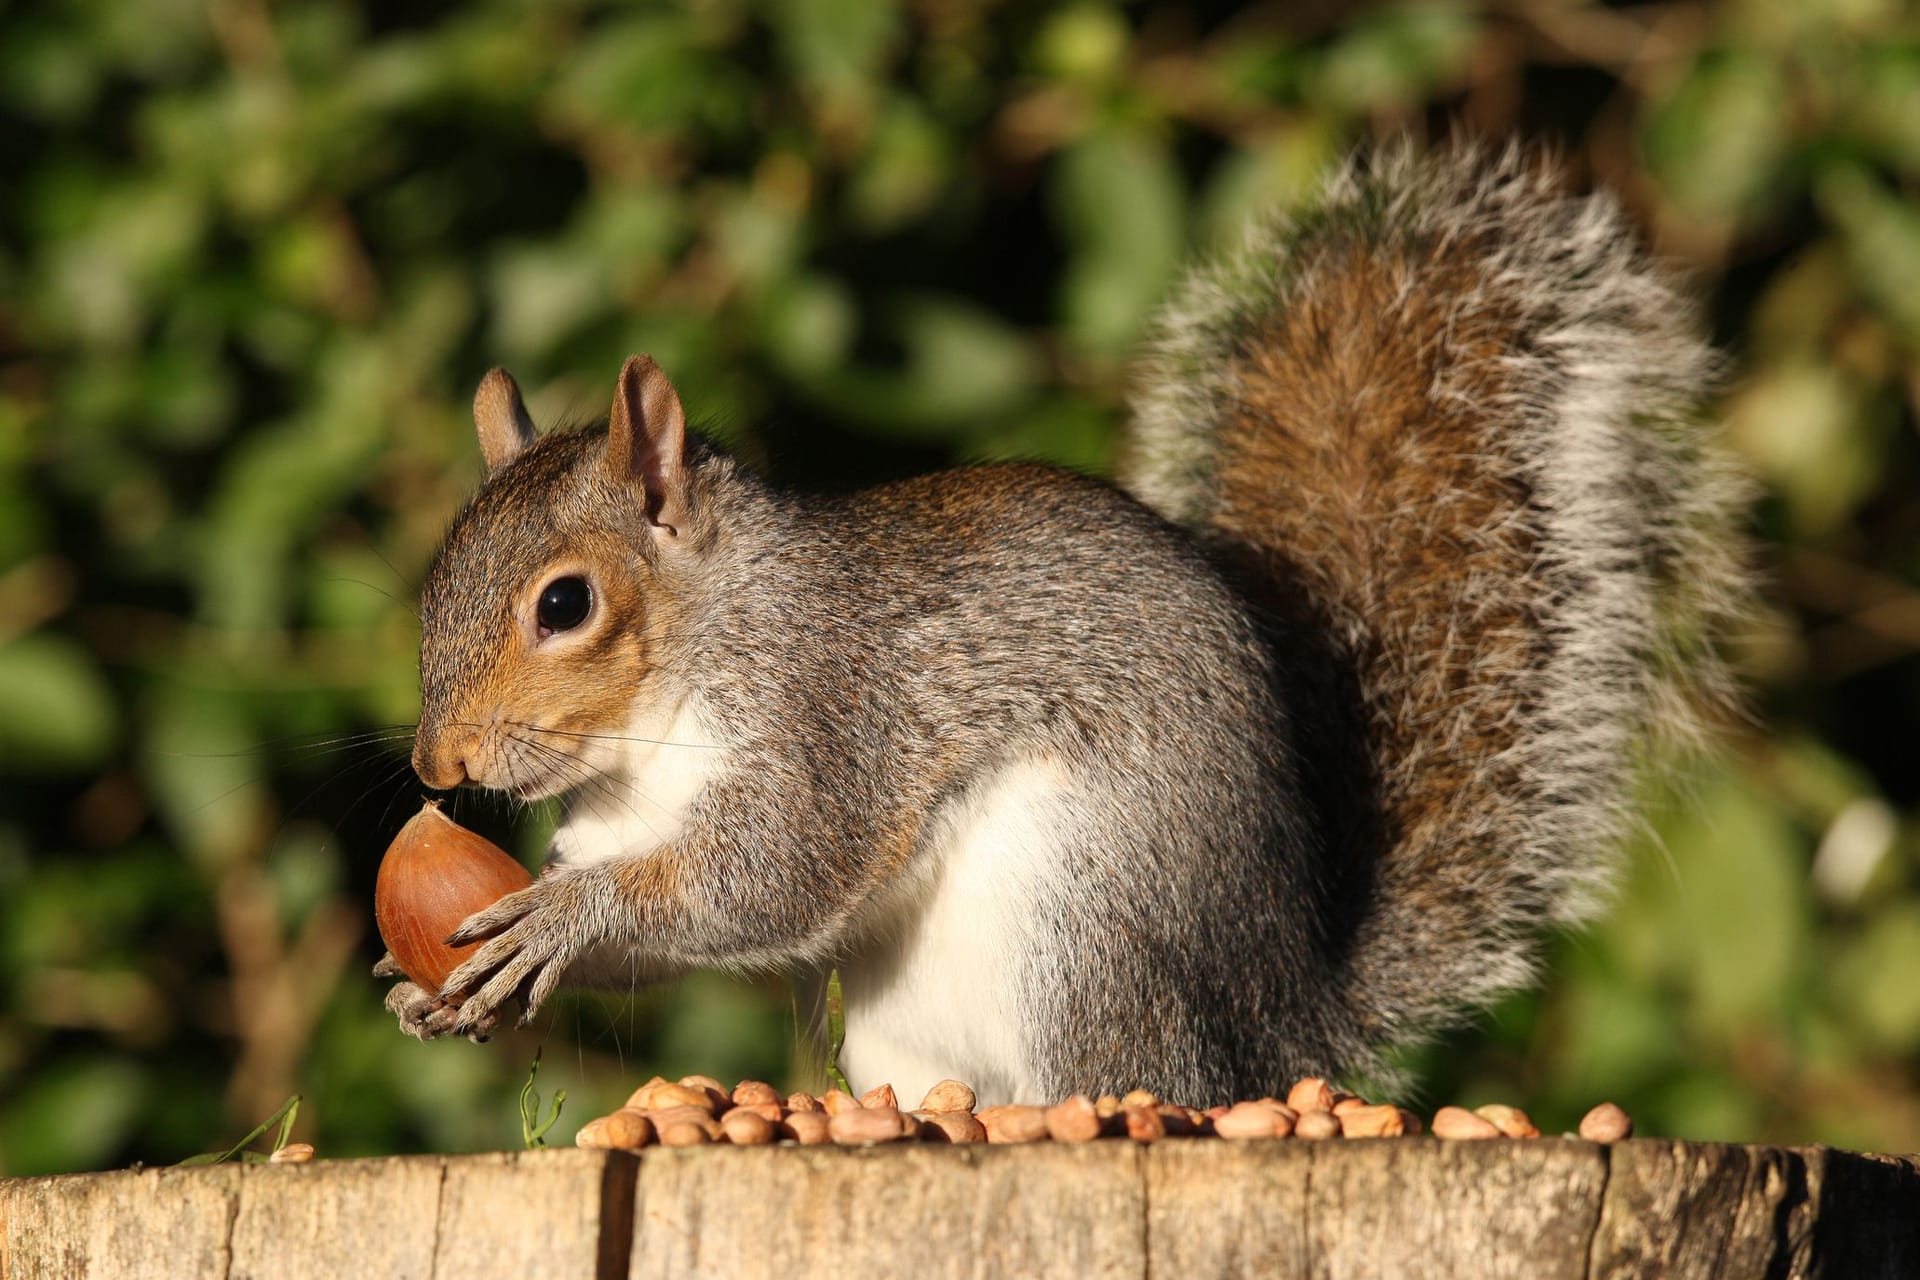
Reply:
x=564 y=604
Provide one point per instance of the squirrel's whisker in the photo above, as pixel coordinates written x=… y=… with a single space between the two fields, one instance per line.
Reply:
x=613 y=737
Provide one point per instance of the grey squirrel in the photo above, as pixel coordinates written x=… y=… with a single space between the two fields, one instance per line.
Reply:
x=1271 y=759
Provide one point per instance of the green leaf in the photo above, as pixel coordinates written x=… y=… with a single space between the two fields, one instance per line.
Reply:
x=836 y=46
x=1813 y=434
x=1120 y=206
x=1084 y=41
x=1740 y=920
x=1395 y=57
x=1881 y=234
x=289 y=1112
x=1718 y=144
x=961 y=367
x=205 y=770
x=810 y=323
x=906 y=167
x=57 y=712
x=74 y=1113
x=1874 y=979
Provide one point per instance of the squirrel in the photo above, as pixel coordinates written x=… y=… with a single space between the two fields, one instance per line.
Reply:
x=1270 y=759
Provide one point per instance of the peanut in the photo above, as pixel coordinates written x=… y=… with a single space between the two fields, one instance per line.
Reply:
x=1606 y=1123
x=1311 y=1094
x=866 y=1124
x=950 y=1126
x=1348 y=1102
x=881 y=1095
x=627 y=1129
x=643 y=1096
x=834 y=1101
x=1144 y=1124
x=744 y=1127
x=664 y=1118
x=1073 y=1120
x=1314 y=1126
x=1511 y=1121
x=948 y=1095
x=686 y=1133
x=771 y=1112
x=808 y=1128
x=1372 y=1122
x=1014 y=1123
x=752 y=1092
x=803 y=1101
x=1106 y=1106
x=682 y=1095
x=1139 y=1098
x=292 y=1153
x=1460 y=1123
x=1247 y=1120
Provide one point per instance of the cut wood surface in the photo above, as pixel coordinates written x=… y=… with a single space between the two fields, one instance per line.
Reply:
x=1394 y=1207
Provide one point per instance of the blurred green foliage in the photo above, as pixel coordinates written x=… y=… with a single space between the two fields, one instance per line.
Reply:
x=253 y=258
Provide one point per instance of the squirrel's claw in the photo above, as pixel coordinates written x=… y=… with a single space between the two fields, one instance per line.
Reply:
x=425 y=1015
x=387 y=967
x=533 y=934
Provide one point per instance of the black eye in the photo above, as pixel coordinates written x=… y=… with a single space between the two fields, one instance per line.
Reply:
x=564 y=604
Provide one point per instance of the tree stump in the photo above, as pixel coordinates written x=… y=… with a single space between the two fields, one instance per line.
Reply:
x=1390 y=1208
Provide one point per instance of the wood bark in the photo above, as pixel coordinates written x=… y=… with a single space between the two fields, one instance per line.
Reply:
x=1389 y=1208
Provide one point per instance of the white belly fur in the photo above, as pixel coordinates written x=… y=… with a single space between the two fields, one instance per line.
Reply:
x=646 y=784
x=932 y=995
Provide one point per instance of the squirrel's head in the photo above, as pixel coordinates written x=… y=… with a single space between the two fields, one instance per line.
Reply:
x=541 y=616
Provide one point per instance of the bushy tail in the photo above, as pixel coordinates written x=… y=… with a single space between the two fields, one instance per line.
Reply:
x=1450 y=419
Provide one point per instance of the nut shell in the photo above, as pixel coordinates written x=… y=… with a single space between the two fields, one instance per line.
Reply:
x=435 y=874
x=1606 y=1123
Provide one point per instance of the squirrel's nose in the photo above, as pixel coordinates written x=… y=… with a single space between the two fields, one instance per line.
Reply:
x=442 y=765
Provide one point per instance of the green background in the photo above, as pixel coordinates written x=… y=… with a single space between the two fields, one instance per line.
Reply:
x=253 y=259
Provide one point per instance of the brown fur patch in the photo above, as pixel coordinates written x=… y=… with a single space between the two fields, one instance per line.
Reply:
x=1392 y=503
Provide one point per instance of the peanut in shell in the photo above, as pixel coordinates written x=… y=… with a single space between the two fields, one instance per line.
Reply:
x=861 y=1125
x=750 y=1092
x=950 y=1126
x=746 y=1127
x=1372 y=1122
x=948 y=1095
x=808 y=1128
x=1311 y=1094
x=1510 y=1121
x=1606 y=1123
x=1314 y=1126
x=1014 y=1123
x=1073 y=1120
x=1460 y=1124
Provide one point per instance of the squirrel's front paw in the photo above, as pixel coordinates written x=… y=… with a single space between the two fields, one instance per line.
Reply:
x=534 y=935
x=423 y=1014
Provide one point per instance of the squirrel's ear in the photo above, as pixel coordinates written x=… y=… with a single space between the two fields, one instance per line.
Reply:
x=500 y=418
x=646 y=437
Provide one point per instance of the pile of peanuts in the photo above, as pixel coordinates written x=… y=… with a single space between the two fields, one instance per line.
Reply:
x=698 y=1110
